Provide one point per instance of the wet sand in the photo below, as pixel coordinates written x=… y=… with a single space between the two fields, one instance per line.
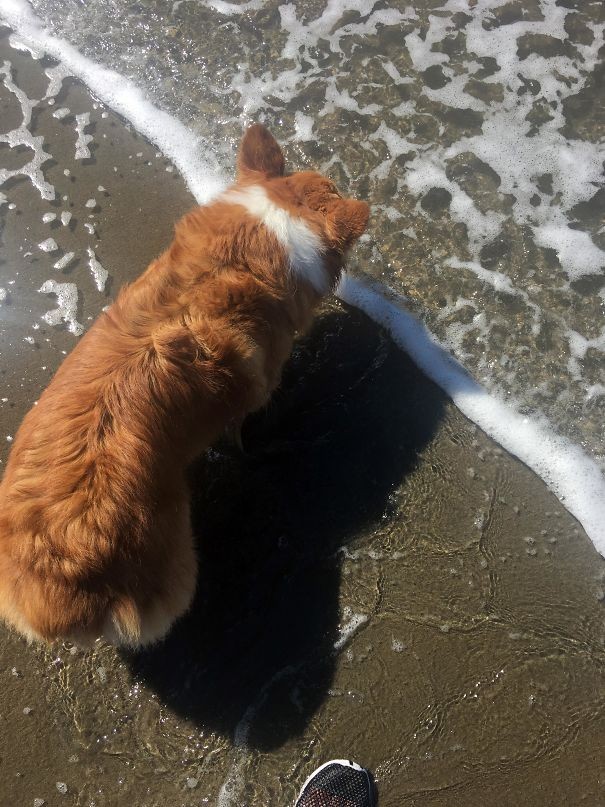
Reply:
x=377 y=578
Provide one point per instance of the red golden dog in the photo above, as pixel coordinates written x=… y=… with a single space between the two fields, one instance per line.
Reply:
x=95 y=539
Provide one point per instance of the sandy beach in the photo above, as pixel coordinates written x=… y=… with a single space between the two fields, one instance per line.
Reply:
x=378 y=579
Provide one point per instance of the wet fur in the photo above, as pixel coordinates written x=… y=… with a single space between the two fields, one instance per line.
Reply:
x=95 y=537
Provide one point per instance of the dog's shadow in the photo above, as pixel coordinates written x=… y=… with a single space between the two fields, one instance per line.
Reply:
x=255 y=655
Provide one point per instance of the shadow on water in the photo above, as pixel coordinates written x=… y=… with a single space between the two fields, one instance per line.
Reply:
x=350 y=418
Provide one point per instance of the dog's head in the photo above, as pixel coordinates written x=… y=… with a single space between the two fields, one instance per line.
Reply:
x=304 y=211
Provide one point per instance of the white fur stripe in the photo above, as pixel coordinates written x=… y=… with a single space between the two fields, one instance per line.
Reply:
x=303 y=247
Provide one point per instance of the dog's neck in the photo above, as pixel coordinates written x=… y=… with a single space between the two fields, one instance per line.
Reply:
x=304 y=248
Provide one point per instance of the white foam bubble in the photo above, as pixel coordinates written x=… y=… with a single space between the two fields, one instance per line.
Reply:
x=303 y=126
x=82 y=139
x=396 y=77
x=500 y=283
x=56 y=76
x=576 y=250
x=67 y=305
x=99 y=274
x=424 y=172
x=578 y=347
x=27 y=104
x=231 y=9
x=342 y=99
x=63 y=262
x=49 y=245
x=349 y=626
x=61 y=113
x=595 y=391
x=396 y=146
x=420 y=49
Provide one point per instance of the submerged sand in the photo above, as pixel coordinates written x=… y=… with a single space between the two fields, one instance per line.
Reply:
x=378 y=579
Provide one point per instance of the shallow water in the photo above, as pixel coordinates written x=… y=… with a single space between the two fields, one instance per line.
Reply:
x=378 y=579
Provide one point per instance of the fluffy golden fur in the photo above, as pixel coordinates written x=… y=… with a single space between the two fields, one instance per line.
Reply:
x=95 y=537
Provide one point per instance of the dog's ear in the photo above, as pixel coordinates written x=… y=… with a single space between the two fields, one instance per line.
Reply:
x=346 y=222
x=259 y=153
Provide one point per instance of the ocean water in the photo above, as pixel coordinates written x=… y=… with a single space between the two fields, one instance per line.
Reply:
x=476 y=132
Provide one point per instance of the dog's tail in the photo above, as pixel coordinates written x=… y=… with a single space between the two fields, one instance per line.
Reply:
x=130 y=625
x=123 y=623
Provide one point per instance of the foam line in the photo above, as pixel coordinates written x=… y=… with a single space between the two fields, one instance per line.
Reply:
x=189 y=152
x=572 y=476
x=231 y=9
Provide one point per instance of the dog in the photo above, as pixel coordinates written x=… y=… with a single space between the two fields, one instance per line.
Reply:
x=95 y=536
